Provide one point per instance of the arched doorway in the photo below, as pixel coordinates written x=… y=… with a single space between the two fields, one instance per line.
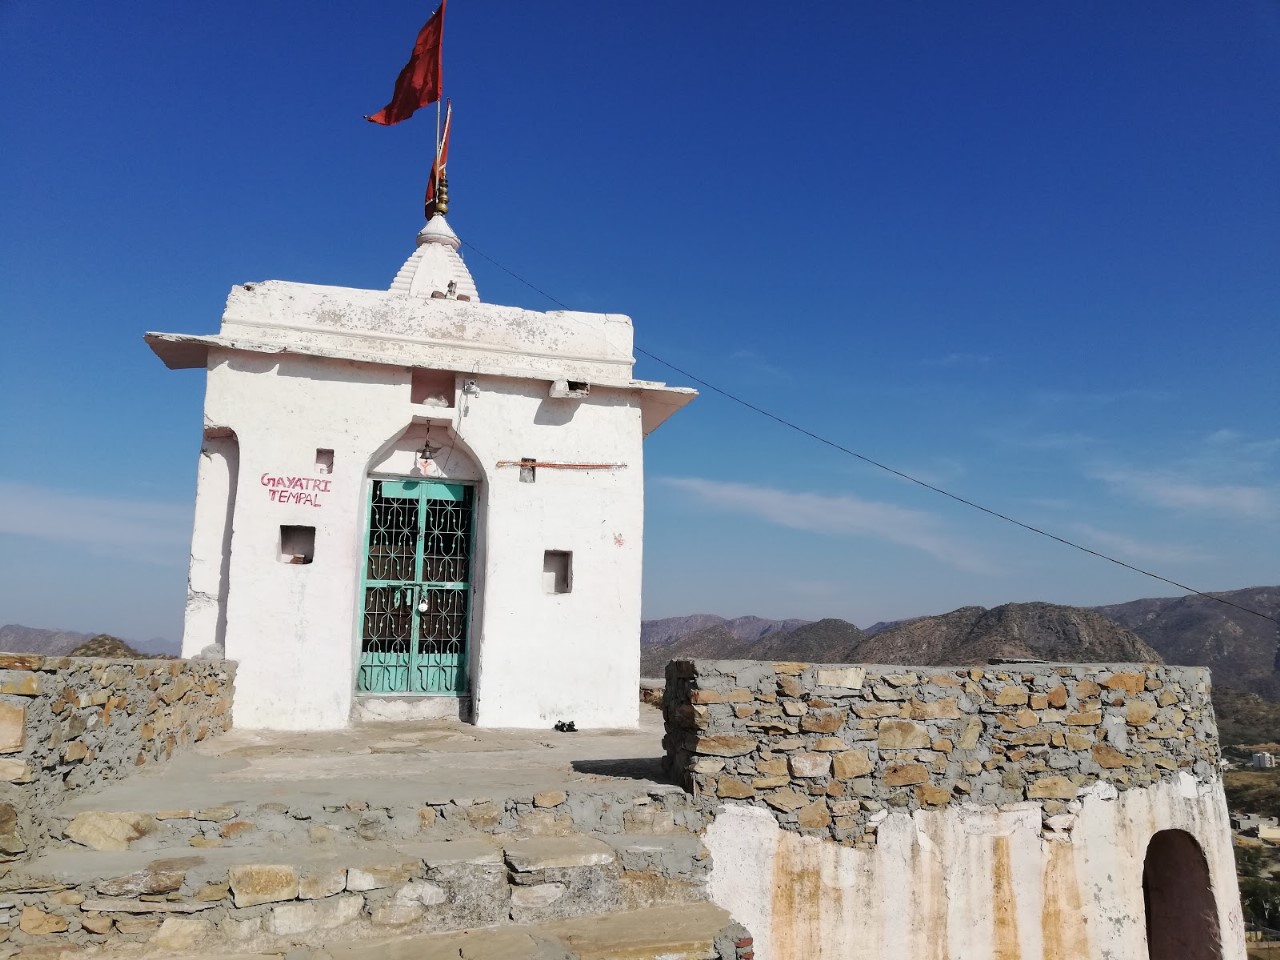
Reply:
x=1182 y=916
x=420 y=552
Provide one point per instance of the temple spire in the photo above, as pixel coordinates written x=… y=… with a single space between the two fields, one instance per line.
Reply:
x=436 y=263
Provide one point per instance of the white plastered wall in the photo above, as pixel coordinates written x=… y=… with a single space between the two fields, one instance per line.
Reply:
x=290 y=625
x=970 y=882
x=534 y=657
x=574 y=656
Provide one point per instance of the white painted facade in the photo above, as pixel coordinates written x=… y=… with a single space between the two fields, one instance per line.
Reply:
x=972 y=882
x=299 y=369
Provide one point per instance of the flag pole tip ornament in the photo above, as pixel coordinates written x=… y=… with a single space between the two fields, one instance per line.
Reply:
x=441 y=200
x=422 y=78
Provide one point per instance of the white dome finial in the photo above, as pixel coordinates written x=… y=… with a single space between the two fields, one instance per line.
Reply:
x=435 y=264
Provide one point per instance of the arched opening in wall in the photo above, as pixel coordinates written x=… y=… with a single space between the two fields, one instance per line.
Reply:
x=421 y=555
x=1182 y=916
x=208 y=579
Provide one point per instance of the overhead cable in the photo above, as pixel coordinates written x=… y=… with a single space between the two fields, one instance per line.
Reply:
x=888 y=469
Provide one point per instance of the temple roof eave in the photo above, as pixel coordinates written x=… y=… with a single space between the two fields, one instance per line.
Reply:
x=181 y=351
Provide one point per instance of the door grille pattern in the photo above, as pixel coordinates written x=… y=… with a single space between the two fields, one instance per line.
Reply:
x=416 y=621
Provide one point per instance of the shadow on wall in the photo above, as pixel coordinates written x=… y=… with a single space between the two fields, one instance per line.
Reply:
x=555 y=413
x=645 y=768
x=1182 y=916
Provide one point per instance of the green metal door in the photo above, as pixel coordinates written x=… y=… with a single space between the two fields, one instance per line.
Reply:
x=417 y=588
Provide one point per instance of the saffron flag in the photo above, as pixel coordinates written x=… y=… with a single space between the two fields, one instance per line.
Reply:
x=438 y=166
x=421 y=79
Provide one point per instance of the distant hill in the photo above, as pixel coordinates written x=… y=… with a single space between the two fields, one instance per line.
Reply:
x=830 y=641
x=1242 y=650
x=822 y=638
x=657 y=632
x=1239 y=648
x=675 y=637
x=15 y=638
x=105 y=645
x=1245 y=718
x=1039 y=631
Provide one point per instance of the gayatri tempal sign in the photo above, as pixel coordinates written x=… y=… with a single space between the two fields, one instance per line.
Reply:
x=300 y=491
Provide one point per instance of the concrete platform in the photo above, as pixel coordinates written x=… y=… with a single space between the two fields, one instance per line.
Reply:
x=389 y=834
x=388 y=764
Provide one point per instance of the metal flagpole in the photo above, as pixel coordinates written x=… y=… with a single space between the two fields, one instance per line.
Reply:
x=435 y=163
x=435 y=158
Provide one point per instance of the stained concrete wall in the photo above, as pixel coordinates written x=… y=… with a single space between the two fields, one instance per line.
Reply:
x=933 y=812
x=972 y=882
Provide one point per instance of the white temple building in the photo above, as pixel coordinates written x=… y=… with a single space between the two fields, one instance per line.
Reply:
x=413 y=504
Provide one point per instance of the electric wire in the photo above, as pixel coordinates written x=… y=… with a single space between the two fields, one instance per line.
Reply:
x=885 y=467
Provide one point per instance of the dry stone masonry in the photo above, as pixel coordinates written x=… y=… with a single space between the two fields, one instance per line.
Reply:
x=267 y=876
x=70 y=723
x=830 y=749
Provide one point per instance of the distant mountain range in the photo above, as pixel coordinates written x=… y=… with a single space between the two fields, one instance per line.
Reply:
x=1240 y=648
x=1038 y=631
x=15 y=638
x=704 y=635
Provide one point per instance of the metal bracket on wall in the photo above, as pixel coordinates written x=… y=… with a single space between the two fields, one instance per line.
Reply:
x=552 y=465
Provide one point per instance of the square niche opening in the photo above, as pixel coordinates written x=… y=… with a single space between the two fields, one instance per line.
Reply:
x=297 y=544
x=324 y=460
x=557 y=571
x=431 y=388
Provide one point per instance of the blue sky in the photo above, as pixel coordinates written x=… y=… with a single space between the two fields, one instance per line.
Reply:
x=1026 y=251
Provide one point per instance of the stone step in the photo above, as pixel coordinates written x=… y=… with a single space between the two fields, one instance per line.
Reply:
x=699 y=931
x=280 y=895
x=661 y=933
x=123 y=821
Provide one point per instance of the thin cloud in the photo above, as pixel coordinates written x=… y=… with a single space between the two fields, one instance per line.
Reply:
x=752 y=362
x=157 y=531
x=839 y=515
x=1027 y=437
x=1177 y=492
x=1236 y=444
x=1224 y=437
x=944 y=471
x=1106 y=541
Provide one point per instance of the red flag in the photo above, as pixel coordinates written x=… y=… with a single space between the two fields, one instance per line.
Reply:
x=438 y=165
x=421 y=79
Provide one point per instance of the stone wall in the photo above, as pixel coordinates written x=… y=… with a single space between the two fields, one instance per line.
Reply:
x=70 y=723
x=830 y=750
x=258 y=878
